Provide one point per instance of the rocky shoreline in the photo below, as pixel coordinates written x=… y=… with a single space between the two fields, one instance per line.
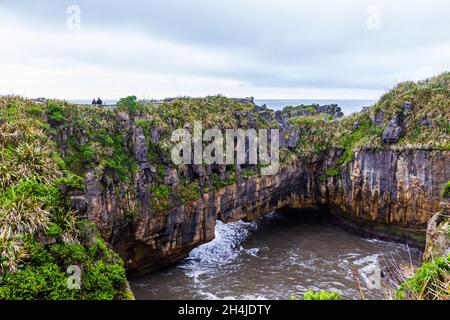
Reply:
x=96 y=187
x=391 y=193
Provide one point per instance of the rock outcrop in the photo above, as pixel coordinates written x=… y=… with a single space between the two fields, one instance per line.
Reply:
x=392 y=193
x=397 y=191
x=153 y=213
x=393 y=131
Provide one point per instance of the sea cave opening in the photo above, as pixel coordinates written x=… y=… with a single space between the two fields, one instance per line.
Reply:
x=283 y=254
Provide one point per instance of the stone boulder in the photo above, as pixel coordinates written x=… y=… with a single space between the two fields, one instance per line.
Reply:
x=393 y=131
x=408 y=108
x=79 y=203
x=171 y=177
x=425 y=122
x=140 y=148
x=289 y=138
x=378 y=119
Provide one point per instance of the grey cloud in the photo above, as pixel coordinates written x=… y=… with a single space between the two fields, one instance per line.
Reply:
x=288 y=43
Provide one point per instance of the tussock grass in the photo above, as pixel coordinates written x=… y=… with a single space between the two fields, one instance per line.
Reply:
x=431 y=101
x=29 y=171
x=430 y=282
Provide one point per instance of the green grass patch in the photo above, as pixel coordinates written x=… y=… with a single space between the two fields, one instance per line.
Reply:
x=429 y=282
x=160 y=197
x=247 y=173
x=446 y=190
x=321 y=295
x=55 y=112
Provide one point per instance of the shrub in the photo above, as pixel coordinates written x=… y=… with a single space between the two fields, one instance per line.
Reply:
x=321 y=295
x=55 y=112
x=144 y=124
x=53 y=230
x=45 y=281
x=309 y=108
x=217 y=182
x=349 y=141
x=103 y=281
x=87 y=153
x=333 y=172
x=161 y=191
x=71 y=181
x=230 y=179
x=429 y=282
x=302 y=121
x=88 y=233
x=37 y=253
x=129 y=104
x=43 y=274
x=69 y=254
x=190 y=192
x=27 y=207
x=446 y=190
x=247 y=173
x=430 y=100
x=377 y=108
x=160 y=199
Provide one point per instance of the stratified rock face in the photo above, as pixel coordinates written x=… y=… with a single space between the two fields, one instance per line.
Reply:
x=150 y=240
x=400 y=189
x=390 y=192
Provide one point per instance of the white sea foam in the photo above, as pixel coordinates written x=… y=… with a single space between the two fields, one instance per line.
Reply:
x=225 y=248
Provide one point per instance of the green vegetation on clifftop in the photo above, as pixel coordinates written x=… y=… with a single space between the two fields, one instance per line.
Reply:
x=40 y=235
x=47 y=150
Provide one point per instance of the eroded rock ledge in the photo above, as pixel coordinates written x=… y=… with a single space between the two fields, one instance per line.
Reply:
x=153 y=213
x=392 y=193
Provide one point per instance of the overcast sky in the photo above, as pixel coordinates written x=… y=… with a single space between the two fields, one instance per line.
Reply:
x=266 y=49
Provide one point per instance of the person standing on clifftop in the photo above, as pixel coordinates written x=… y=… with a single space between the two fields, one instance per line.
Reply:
x=93 y=101
x=99 y=102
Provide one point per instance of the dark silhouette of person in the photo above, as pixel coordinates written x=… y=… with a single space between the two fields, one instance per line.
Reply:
x=99 y=101
x=93 y=101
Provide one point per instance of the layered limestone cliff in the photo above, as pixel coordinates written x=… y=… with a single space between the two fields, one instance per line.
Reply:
x=399 y=189
x=71 y=175
x=390 y=193
x=379 y=172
